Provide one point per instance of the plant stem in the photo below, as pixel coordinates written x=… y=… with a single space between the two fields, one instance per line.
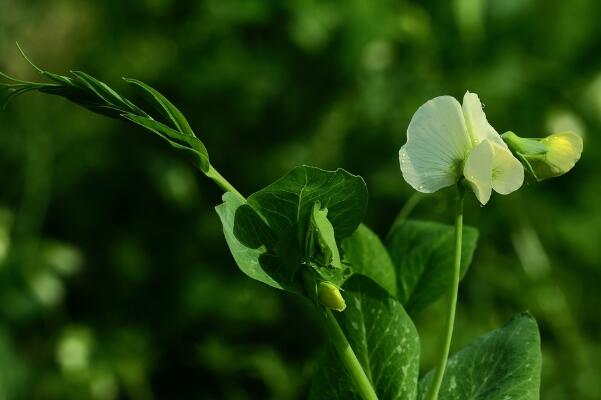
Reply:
x=339 y=340
x=222 y=182
x=407 y=208
x=348 y=357
x=450 y=317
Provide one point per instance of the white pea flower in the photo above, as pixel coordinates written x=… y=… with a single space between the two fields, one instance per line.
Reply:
x=447 y=141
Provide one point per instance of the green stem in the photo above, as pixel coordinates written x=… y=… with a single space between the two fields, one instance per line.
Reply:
x=450 y=317
x=340 y=342
x=405 y=211
x=222 y=182
x=348 y=357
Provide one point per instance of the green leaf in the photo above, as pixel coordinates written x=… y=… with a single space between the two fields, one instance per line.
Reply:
x=189 y=144
x=248 y=259
x=278 y=217
x=106 y=93
x=384 y=339
x=366 y=254
x=423 y=253
x=287 y=203
x=501 y=365
x=162 y=105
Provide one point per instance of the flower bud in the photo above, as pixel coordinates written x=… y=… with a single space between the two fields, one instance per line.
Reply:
x=329 y=296
x=548 y=157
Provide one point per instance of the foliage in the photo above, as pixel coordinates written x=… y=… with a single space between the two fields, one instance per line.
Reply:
x=101 y=227
x=385 y=340
x=421 y=252
x=508 y=356
x=366 y=255
x=287 y=234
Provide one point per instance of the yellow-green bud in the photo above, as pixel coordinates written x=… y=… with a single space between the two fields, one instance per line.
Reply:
x=549 y=157
x=329 y=296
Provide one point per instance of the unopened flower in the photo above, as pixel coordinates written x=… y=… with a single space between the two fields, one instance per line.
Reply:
x=329 y=296
x=447 y=141
x=547 y=157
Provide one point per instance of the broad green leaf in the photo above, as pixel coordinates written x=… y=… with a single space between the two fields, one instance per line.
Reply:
x=366 y=254
x=423 y=253
x=162 y=105
x=190 y=144
x=504 y=364
x=278 y=217
x=288 y=202
x=251 y=261
x=384 y=339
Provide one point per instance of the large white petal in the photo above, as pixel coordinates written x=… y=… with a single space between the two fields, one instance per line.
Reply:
x=478 y=170
x=437 y=143
x=507 y=171
x=476 y=122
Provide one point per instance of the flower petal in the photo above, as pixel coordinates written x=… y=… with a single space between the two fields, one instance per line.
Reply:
x=476 y=122
x=507 y=171
x=478 y=170
x=437 y=143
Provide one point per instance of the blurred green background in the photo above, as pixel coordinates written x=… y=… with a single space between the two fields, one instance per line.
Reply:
x=115 y=280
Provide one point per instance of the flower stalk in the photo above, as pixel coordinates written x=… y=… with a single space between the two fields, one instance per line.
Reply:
x=339 y=341
x=348 y=357
x=434 y=388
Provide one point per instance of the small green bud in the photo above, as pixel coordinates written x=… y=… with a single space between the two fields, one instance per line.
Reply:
x=548 y=157
x=329 y=296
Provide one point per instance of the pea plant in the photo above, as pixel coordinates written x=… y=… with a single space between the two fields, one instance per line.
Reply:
x=303 y=234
